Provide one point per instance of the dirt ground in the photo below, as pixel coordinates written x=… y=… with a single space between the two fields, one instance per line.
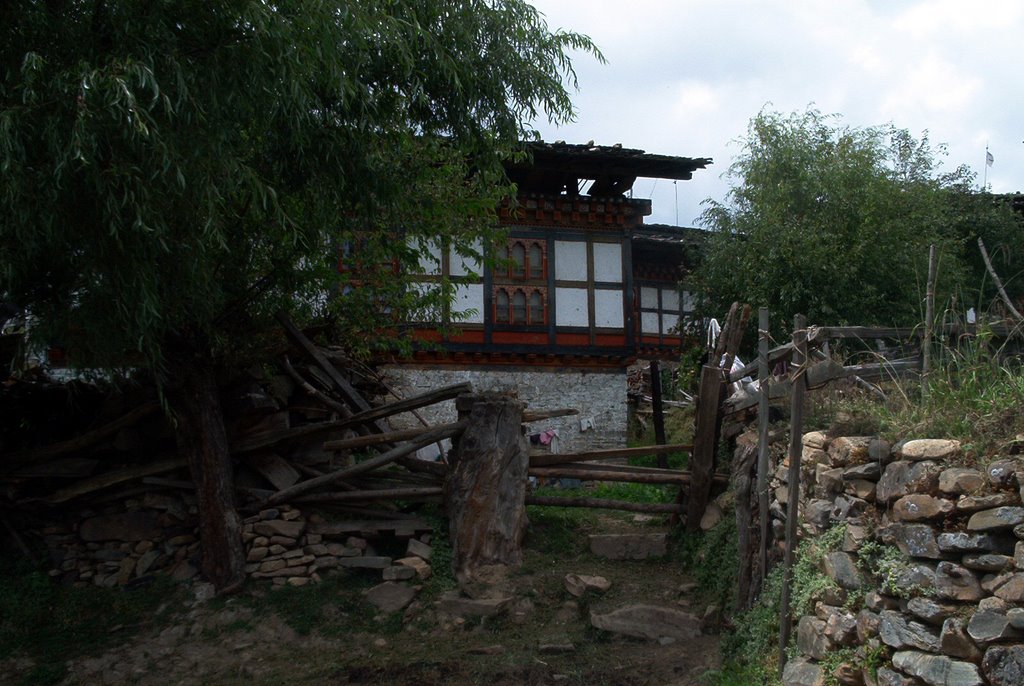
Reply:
x=328 y=634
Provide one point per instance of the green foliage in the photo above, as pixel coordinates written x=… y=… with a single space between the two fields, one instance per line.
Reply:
x=172 y=173
x=974 y=395
x=886 y=563
x=751 y=649
x=712 y=558
x=52 y=623
x=809 y=578
x=835 y=222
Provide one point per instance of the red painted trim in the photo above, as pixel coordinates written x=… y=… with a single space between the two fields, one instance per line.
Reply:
x=519 y=337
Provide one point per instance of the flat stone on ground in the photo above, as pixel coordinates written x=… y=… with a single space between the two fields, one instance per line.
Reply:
x=629 y=546
x=648 y=621
x=390 y=597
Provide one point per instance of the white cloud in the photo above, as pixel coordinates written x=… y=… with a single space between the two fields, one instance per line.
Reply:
x=685 y=77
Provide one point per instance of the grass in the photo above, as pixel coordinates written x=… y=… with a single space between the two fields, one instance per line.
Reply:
x=50 y=623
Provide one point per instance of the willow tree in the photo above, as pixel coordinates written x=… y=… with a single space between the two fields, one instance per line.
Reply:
x=172 y=172
x=835 y=222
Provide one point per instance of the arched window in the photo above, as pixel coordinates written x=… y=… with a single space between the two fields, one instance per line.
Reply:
x=536 y=261
x=501 y=306
x=536 y=308
x=518 y=307
x=518 y=256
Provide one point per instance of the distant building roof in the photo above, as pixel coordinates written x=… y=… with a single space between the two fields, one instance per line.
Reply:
x=559 y=167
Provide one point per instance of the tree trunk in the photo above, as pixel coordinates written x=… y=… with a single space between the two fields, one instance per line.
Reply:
x=194 y=399
x=486 y=489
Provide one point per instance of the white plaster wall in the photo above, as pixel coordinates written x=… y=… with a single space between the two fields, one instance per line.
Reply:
x=599 y=396
x=470 y=297
x=608 y=262
x=608 y=308
x=570 y=260
x=571 y=307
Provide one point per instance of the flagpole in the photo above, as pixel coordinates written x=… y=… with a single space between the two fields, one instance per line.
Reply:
x=988 y=163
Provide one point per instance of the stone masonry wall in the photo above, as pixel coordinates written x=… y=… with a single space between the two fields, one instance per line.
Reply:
x=131 y=540
x=948 y=607
x=599 y=396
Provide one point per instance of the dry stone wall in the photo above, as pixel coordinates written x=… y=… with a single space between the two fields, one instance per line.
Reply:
x=129 y=542
x=927 y=585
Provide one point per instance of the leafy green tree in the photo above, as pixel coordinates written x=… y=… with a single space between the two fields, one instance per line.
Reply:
x=172 y=172
x=835 y=222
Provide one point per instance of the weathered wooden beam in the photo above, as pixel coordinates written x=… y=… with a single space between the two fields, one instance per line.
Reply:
x=412 y=493
x=793 y=502
x=547 y=459
x=377 y=462
x=347 y=391
x=112 y=478
x=664 y=477
x=86 y=440
x=540 y=415
x=601 y=503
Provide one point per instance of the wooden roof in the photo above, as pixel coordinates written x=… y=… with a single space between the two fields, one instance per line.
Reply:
x=559 y=167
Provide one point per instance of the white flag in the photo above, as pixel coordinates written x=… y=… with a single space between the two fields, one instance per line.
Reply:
x=989 y=159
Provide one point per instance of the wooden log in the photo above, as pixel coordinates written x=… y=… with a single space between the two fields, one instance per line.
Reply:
x=274 y=469
x=381 y=460
x=314 y=392
x=412 y=493
x=998 y=282
x=376 y=439
x=609 y=475
x=369 y=418
x=659 y=411
x=795 y=453
x=929 y=321
x=86 y=440
x=64 y=468
x=541 y=415
x=604 y=504
x=763 y=379
x=743 y=464
x=486 y=489
x=547 y=459
x=705 y=442
x=867 y=332
x=112 y=478
x=347 y=391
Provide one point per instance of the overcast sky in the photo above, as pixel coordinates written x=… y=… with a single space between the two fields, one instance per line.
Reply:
x=684 y=77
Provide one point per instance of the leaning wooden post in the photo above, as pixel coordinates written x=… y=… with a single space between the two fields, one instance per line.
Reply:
x=795 y=453
x=929 y=321
x=762 y=437
x=485 y=493
x=659 y=412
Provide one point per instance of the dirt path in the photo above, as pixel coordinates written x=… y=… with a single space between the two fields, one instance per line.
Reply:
x=329 y=635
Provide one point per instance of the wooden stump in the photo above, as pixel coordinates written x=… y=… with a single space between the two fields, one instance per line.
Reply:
x=486 y=490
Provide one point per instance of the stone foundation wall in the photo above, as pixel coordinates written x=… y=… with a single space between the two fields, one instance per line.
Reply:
x=600 y=397
x=132 y=540
x=927 y=586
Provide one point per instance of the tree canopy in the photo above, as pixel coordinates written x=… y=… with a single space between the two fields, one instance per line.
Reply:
x=170 y=168
x=172 y=172
x=835 y=222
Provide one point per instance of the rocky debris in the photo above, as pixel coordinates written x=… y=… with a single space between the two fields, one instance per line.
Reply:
x=896 y=632
x=811 y=639
x=998 y=518
x=454 y=604
x=961 y=481
x=578 y=584
x=987 y=626
x=648 y=621
x=802 y=672
x=937 y=670
x=921 y=507
x=629 y=546
x=1004 y=665
x=929 y=449
x=842 y=568
x=390 y=596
